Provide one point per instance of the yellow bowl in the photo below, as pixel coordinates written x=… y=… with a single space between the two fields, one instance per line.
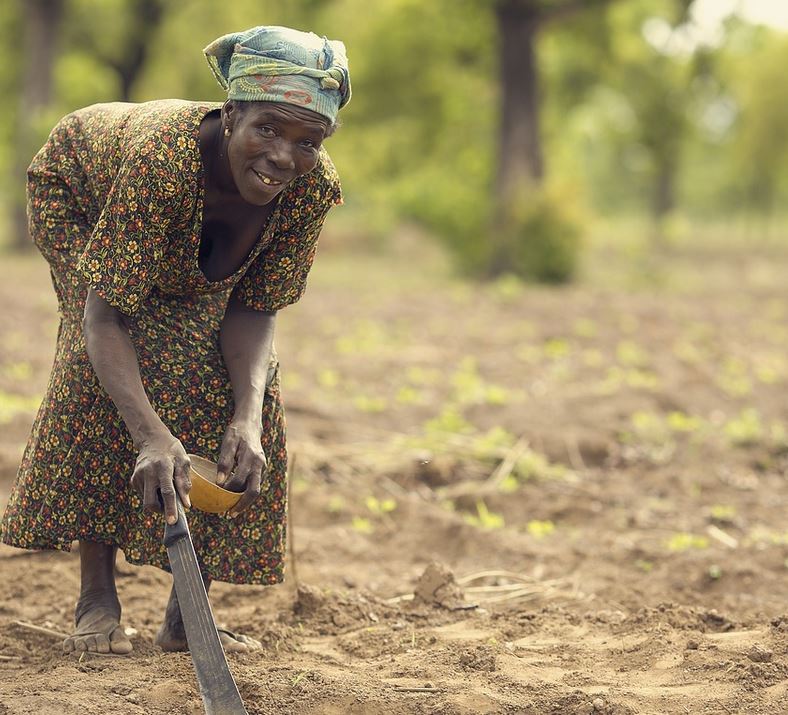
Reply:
x=205 y=493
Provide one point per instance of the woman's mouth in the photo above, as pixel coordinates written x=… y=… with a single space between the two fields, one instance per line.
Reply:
x=267 y=180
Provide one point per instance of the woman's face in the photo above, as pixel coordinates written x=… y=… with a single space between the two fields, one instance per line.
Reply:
x=270 y=145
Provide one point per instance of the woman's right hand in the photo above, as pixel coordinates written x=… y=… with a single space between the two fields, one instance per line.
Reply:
x=162 y=468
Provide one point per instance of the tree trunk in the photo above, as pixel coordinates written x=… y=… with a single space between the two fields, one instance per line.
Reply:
x=42 y=20
x=663 y=199
x=148 y=16
x=520 y=150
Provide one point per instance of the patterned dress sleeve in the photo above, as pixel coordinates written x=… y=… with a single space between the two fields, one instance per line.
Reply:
x=123 y=257
x=277 y=277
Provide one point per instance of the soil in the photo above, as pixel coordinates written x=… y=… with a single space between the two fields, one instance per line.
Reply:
x=621 y=548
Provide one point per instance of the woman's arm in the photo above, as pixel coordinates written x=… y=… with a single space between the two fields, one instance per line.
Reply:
x=162 y=463
x=246 y=338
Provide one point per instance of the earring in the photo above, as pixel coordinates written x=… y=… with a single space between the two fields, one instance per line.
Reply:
x=227 y=131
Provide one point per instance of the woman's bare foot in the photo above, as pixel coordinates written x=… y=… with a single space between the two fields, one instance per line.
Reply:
x=172 y=634
x=97 y=614
x=98 y=626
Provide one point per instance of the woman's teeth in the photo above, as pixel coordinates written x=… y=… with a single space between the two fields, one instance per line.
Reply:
x=266 y=180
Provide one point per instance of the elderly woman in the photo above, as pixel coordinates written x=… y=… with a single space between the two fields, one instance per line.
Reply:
x=175 y=231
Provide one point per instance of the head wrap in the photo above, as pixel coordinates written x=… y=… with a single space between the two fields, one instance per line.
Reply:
x=277 y=64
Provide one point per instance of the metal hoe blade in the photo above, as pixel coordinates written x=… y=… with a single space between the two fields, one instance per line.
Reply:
x=219 y=692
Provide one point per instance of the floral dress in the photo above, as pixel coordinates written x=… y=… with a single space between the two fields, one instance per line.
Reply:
x=115 y=203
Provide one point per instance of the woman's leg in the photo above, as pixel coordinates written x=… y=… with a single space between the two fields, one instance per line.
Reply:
x=172 y=634
x=98 y=610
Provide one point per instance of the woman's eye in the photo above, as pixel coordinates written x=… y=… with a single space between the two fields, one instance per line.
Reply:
x=308 y=144
x=267 y=131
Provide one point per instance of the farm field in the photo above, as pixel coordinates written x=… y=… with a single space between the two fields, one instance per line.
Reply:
x=593 y=479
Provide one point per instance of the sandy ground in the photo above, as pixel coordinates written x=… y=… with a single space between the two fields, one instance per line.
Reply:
x=601 y=471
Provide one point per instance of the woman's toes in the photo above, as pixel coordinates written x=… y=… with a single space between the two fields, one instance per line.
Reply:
x=231 y=644
x=102 y=643
x=250 y=643
x=119 y=642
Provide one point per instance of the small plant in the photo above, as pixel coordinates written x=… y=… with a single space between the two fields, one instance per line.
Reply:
x=681 y=422
x=336 y=504
x=362 y=525
x=630 y=354
x=470 y=388
x=368 y=403
x=407 y=395
x=12 y=405
x=722 y=512
x=684 y=541
x=745 y=429
x=735 y=379
x=379 y=507
x=539 y=529
x=484 y=518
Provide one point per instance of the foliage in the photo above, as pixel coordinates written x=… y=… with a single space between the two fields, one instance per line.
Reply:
x=634 y=116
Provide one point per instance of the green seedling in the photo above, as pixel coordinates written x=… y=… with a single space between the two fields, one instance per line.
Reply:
x=630 y=354
x=484 y=518
x=681 y=422
x=407 y=395
x=470 y=388
x=683 y=541
x=362 y=525
x=368 y=338
x=336 y=504
x=722 y=512
x=556 y=349
x=540 y=529
x=745 y=429
x=366 y=403
x=12 y=405
x=735 y=379
x=379 y=507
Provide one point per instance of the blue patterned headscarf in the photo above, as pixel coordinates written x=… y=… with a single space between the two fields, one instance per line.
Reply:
x=277 y=64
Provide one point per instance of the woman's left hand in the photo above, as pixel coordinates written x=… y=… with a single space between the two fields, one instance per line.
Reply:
x=242 y=462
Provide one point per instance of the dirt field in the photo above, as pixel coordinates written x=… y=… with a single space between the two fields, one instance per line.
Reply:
x=601 y=468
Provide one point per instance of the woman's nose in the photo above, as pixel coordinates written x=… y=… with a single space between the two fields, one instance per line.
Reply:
x=281 y=155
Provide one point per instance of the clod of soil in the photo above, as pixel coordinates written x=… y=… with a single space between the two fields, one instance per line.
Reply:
x=437 y=587
x=759 y=654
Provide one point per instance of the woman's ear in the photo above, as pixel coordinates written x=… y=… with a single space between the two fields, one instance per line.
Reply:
x=229 y=114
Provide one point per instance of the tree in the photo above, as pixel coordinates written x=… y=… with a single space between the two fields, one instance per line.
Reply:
x=526 y=215
x=42 y=19
x=520 y=155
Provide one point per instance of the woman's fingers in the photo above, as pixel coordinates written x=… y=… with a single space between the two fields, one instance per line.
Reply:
x=250 y=495
x=226 y=462
x=167 y=491
x=249 y=463
x=183 y=481
x=150 y=498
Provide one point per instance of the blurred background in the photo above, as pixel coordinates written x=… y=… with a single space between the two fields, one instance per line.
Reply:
x=545 y=342
x=519 y=135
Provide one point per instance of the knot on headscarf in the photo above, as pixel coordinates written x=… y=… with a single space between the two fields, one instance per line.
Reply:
x=278 y=64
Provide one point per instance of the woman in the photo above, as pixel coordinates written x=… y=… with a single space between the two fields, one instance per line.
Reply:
x=175 y=231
